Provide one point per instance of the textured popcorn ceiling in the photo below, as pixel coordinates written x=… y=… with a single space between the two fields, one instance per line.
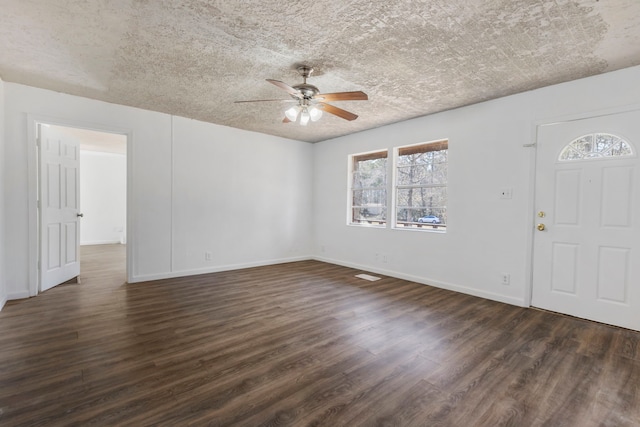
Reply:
x=193 y=58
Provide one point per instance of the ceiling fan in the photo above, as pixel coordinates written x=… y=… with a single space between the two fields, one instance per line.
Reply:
x=309 y=102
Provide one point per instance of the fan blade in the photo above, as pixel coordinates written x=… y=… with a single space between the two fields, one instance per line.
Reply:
x=343 y=96
x=337 y=111
x=265 y=100
x=285 y=87
x=286 y=120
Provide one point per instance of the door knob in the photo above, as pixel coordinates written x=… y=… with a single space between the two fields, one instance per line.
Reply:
x=80 y=215
x=540 y=227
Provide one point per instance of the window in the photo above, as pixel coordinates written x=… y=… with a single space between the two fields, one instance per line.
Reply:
x=421 y=186
x=595 y=146
x=369 y=188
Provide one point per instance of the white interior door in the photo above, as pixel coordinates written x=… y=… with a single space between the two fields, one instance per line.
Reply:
x=59 y=207
x=586 y=261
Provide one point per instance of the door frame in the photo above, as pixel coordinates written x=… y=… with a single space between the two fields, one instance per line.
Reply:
x=33 y=157
x=533 y=155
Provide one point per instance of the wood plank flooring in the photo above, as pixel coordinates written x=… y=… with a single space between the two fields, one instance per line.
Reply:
x=302 y=344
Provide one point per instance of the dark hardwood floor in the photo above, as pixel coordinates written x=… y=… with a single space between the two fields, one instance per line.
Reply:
x=302 y=344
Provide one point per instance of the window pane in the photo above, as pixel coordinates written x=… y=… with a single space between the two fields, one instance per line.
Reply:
x=596 y=146
x=414 y=174
x=414 y=203
x=361 y=165
x=369 y=215
x=417 y=215
x=374 y=177
x=369 y=198
x=422 y=174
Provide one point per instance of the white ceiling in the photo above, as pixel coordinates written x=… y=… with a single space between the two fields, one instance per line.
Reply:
x=194 y=58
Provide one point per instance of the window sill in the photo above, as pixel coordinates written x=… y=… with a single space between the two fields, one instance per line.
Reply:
x=437 y=228
x=370 y=224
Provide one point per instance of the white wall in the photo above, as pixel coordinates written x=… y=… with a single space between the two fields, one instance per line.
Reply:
x=103 y=197
x=165 y=165
x=3 y=287
x=243 y=197
x=486 y=235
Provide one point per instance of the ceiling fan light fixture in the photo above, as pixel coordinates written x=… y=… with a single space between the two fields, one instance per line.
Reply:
x=292 y=113
x=315 y=113
x=304 y=116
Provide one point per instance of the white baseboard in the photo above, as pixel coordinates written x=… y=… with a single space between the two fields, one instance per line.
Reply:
x=3 y=301
x=398 y=275
x=216 y=269
x=429 y=282
x=422 y=280
x=100 y=242
x=17 y=295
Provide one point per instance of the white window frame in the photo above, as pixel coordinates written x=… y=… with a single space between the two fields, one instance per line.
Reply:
x=352 y=158
x=437 y=228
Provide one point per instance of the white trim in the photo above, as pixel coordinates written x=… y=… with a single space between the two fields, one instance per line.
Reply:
x=102 y=153
x=424 y=281
x=18 y=295
x=531 y=206
x=32 y=203
x=429 y=282
x=208 y=270
x=586 y=115
x=429 y=228
x=172 y=200
x=378 y=226
x=392 y=193
x=32 y=164
x=100 y=242
x=130 y=220
x=3 y=301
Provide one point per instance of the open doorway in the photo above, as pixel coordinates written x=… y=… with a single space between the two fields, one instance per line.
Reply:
x=88 y=173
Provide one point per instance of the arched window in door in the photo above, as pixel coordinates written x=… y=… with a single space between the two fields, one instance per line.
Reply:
x=596 y=146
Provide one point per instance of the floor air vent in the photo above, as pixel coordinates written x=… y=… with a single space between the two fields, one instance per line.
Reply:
x=367 y=277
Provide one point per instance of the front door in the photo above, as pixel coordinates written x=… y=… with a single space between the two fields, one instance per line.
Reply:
x=59 y=207
x=586 y=258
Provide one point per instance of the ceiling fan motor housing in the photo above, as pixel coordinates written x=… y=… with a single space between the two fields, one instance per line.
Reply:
x=306 y=90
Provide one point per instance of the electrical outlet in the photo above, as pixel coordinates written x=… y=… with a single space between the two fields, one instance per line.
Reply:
x=506 y=278
x=208 y=256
